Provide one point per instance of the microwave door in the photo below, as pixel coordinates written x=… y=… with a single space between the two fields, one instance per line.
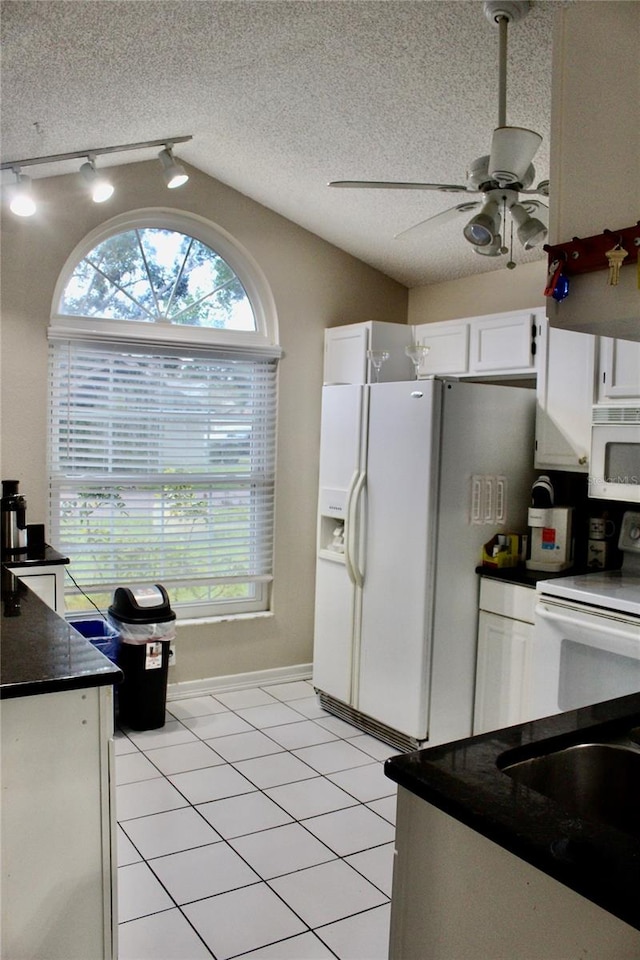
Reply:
x=615 y=462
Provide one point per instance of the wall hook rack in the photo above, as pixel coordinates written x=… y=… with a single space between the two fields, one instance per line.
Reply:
x=587 y=254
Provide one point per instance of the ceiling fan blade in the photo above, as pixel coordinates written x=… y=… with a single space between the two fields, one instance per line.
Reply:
x=391 y=185
x=439 y=218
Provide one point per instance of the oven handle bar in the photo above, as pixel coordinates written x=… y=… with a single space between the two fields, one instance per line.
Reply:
x=582 y=623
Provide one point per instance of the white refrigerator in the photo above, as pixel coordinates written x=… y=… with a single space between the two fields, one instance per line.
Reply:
x=414 y=477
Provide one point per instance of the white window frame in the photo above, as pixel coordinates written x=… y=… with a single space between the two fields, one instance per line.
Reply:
x=261 y=343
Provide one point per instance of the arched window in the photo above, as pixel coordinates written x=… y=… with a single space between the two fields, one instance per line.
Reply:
x=162 y=418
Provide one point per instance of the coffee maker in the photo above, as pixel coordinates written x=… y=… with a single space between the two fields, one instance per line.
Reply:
x=550 y=530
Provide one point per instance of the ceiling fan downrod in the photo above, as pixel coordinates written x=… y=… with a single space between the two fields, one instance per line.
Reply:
x=504 y=12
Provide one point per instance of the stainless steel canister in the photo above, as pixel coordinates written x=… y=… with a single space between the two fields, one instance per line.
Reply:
x=13 y=534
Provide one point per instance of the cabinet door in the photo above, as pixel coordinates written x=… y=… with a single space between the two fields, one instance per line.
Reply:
x=503 y=671
x=448 y=344
x=619 y=370
x=502 y=344
x=58 y=826
x=345 y=354
x=565 y=392
x=346 y=358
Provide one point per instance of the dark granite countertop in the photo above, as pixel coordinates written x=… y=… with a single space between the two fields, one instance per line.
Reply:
x=523 y=577
x=40 y=652
x=462 y=778
x=47 y=557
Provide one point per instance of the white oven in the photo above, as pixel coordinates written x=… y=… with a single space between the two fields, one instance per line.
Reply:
x=586 y=644
x=614 y=472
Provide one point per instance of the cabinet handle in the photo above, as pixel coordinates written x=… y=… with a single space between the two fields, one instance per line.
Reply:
x=582 y=460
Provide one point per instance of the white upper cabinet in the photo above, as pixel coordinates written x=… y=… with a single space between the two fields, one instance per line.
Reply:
x=565 y=392
x=501 y=344
x=619 y=371
x=346 y=352
x=448 y=344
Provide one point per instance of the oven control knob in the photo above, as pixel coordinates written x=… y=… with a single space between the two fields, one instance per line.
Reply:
x=634 y=533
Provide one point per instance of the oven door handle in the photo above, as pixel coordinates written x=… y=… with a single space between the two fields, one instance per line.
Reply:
x=603 y=630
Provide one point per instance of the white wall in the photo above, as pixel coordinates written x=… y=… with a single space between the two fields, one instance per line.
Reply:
x=314 y=285
x=595 y=155
x=494 y=292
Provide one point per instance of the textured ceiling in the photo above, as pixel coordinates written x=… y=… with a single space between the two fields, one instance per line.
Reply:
x=282 y=97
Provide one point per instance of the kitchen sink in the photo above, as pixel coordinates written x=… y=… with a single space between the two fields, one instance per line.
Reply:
x=593 y=781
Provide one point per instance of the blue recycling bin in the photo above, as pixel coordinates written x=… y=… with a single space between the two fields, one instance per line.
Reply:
x=102 y=634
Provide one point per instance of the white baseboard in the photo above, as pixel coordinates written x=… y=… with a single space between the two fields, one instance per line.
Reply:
x=237 y=681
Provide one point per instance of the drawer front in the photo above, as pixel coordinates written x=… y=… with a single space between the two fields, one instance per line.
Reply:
x=507 y=599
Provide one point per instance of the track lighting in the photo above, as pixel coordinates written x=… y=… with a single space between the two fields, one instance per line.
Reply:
x=483 y=229
x=101 y=188
x=22 y=202
x=174 y=174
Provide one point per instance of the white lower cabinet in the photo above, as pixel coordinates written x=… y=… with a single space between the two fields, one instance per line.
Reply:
x=505 y=640
x=58 y=826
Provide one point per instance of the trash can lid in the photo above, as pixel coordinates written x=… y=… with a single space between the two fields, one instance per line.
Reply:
x=141 y=604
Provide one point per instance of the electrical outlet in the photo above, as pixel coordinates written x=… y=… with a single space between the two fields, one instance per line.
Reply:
x=172 y=654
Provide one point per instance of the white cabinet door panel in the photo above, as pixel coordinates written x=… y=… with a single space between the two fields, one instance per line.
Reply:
x=503 y=672
x=502 y=344
x=565 y=392
x=448 y=344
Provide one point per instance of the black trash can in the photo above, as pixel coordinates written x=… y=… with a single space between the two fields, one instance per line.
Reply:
x=146 y=623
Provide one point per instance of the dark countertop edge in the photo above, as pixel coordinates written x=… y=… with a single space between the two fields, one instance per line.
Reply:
x=41 y=652
x=521 y=576
x=606 y=868
x=50 y=557
x=30 y=688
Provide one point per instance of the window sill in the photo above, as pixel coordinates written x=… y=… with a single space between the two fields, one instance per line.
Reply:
x=223 y=618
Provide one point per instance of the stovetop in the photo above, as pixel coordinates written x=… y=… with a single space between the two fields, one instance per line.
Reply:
x=616 y=590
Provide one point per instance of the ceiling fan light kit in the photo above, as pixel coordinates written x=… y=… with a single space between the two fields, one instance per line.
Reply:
x=499 y=176
x=483 y=229
x=512 y=150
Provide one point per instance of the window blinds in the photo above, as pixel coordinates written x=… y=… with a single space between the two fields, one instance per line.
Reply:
x=162 y=464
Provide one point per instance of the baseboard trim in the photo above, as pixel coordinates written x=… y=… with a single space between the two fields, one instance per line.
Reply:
x=237 y=681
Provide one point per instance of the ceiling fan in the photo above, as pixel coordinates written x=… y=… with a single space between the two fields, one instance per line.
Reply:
x=501 y=177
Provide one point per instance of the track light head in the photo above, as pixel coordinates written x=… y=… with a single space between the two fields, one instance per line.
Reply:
x=174 y=173
x=22 y=202
x=101 y=188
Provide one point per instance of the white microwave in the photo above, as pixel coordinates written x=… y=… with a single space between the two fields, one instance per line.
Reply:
x=614 y=471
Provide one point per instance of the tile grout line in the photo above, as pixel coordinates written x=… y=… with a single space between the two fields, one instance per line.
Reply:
x=335 y=857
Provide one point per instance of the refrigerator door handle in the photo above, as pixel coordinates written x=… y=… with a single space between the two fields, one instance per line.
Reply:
x=348 y=522
x=354 y=530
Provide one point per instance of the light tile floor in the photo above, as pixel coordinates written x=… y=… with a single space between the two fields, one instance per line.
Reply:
x=253 y=825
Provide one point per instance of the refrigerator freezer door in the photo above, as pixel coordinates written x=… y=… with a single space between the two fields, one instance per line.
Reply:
x=395 y=651
x=337 y=608
x=341 y=440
